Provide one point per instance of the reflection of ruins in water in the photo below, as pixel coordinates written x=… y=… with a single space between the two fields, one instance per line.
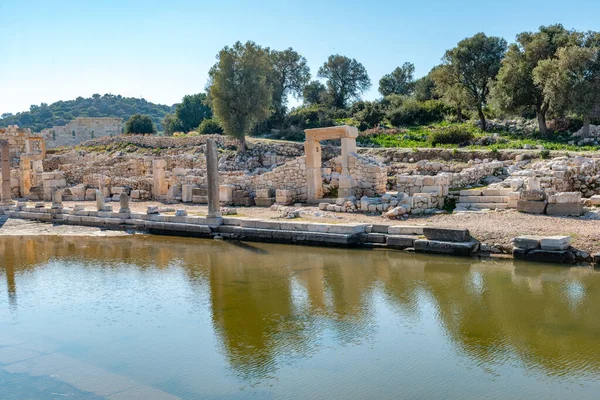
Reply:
x=278 y=301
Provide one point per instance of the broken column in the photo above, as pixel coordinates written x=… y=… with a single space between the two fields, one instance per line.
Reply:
x=56 y=198
x=5 y=155
x=212 y=174
x=312 y=150
x=25 y=169
x=159 y=181
x=124 y=203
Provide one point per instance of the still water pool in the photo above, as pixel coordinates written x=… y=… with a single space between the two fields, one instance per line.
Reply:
x=165 y=318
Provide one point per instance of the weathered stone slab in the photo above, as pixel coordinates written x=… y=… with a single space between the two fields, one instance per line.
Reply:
x=528 y=242
x=264 y=201
x=372 y=237
x=496 y=192
x=447 y=234
x=565 y=209
x=555 y=243
x=531 y=207
x=400 y=241
x=377 y=228
x=405 y=230
x=595 y=200
x=442 y=247
x=533 y=195
x=549 y=256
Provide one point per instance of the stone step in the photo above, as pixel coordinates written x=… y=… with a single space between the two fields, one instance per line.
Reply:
x=470 y=192
x=483 y=206
x=483 y=199
x=496 y=192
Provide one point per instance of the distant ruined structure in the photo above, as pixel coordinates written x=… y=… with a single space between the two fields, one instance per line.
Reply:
x=80 y=130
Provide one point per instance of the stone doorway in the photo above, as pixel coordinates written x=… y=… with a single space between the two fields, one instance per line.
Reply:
x=312 y=150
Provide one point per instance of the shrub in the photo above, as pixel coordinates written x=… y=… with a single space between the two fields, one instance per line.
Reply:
x=369 y=116
x=316 y=116
x=453 y=134
x=209 y=126
x=544 y=154
x=140 y=124
x=413 y=112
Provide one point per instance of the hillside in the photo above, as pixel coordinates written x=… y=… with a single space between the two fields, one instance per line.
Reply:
x=61 y=112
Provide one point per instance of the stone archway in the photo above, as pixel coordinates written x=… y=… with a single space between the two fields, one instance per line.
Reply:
x=312 y=149
x=5 y=196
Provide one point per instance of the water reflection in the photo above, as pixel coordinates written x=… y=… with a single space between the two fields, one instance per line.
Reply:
x=273 y=302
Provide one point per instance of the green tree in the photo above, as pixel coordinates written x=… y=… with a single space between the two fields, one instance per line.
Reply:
x=472 y=65
x=572 y=81
x=140 y=124
x=192 y=110
x=346 y=78
x=290 y=76
x=170 y=124
x=515 y=90
x=239 y=89
x=400 y=81
x=314 y=93
x=424 y=88
x=452 y=93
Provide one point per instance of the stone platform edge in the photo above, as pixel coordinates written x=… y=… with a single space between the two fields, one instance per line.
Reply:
x=397 y=237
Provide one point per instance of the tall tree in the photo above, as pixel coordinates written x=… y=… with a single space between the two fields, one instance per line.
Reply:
x=515 y=90
x=472 y=65
x=399 y=81
x=314 y=93
x=452 y=93
x=424 y=88
x=572 y=81
x=239 y=89
x=192 y=110
x=290 y=76
x=346 y=78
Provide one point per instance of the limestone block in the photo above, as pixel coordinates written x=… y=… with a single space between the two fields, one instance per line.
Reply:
x=265 y=193
x=400 y=241
x=595 y=200
x=514 y=195
x=199 y=192
x=531 y=207
x=226 y=193
x=565 y=209
x=533 y=195
x=447 y=234
x=264 y=202
x=200 y=199
x=443 y=247
x=568 y=197
x=555 y=242
x=405 y=230
x=527 y=242
x=512 y=203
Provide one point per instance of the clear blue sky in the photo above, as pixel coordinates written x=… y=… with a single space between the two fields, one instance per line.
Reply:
x=161 y=50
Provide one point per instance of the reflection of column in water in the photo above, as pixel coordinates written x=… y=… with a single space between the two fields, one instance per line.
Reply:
x=8 y=258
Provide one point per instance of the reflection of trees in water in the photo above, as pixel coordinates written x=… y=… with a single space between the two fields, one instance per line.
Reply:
x=270 y=303
x=493 y=315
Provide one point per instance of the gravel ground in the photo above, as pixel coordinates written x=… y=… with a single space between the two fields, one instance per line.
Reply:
x=493 y=227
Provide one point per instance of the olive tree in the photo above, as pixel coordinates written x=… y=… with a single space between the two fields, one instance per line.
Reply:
x=399 y=81
x=239 y=89
x=290 y=76
x=515 y=89
x=346 y=79
x=472 y=65
x=571 y=81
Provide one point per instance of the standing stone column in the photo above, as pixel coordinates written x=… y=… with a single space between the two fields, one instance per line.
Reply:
x=312 y=150
x=5 y=155
x=212 y=176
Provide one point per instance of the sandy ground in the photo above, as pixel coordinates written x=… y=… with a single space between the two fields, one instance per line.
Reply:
x=493 y=228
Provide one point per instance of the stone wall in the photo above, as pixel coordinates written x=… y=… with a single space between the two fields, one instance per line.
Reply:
x=81 y=130
x=17 y=138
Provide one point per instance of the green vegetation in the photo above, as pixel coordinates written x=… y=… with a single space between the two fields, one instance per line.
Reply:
x=240 y=91
x=453 y=134
x=140 y=124
x=552 y=75
x=61 y=112
x=210 y=126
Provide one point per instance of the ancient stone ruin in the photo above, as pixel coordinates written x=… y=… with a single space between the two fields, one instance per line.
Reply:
x=80 y=130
